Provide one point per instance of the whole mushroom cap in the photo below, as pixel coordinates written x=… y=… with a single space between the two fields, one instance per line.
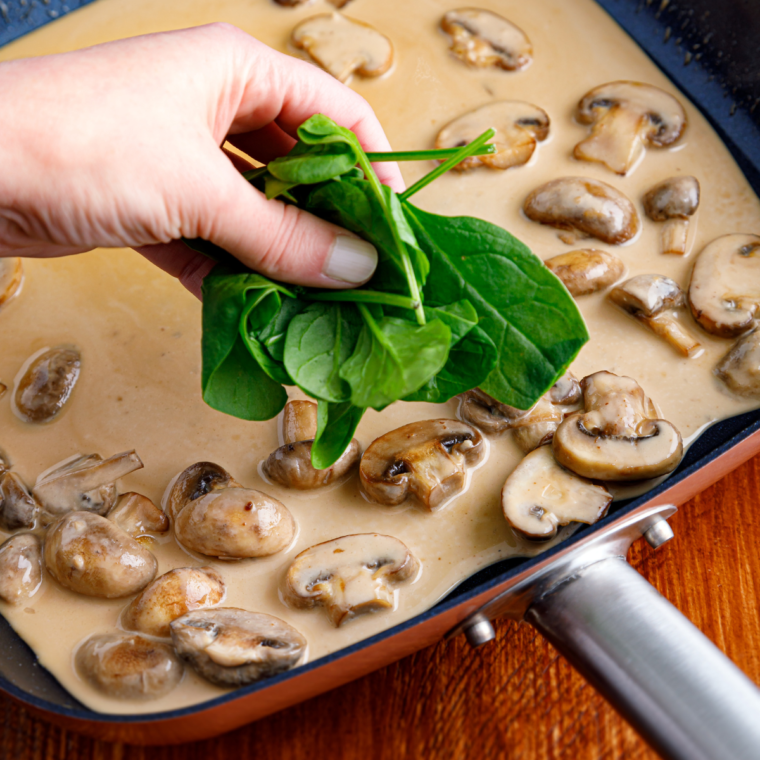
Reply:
x=195 y=481
x=47 y=384
x=673 y=198
x=91 y=555
x=20 y=568
x=233 y=647
x=290 y=466
x=586 y=270
x=739 y=369
x=127 y=666
x=18 y=508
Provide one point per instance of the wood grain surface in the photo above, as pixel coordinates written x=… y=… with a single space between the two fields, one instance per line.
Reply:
x=515 y=698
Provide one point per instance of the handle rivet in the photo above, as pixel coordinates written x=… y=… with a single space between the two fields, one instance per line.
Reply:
x=658 y=533
x=479 y=632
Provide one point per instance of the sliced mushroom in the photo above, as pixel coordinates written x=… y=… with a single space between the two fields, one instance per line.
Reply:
x=196 y=481
x=173 y=594
x=299 y=421
x=657 y=302
x=20 y=568
x=673 y=201
x=724 y=292
x=583 y=207
x=11 y=278
x=350 y=575
x=739 y=369
x=627 y=117
x=18 y=508
x=586 y=270
x=519 y=128
x=482 y=38
x=291 y=467
x=127 y=666
x=86 y=483
x=47 y=384
x=233 y=647
x=488 y=414
x=619 y=436
x=138 y=515
x=343 y=46
x=88 y=554
x=428 y=460
x=540 y=495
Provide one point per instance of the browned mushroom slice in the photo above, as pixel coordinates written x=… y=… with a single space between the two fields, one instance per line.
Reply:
x=299 y=421
x=724 y=292
x=343 y=46
x=173 y=594
x=138 y=515
x=583 y=207
x=519 y=128
x=482 y=38
x=350 y=575
x=88 y=554
x=20 y=568
x=290 y=466
x=627 y=117
x=657 y=302
x=18 y=508
x=127 y=666
x=739 y=369
x=586 y=270
x=85 y=483
x=673 y=201
x=428 y=460
x=488 y=414
x=11 y=278
x=619 y=437
x=540 y=495
x=196 y=481
x=233 y=647
x=47 y=384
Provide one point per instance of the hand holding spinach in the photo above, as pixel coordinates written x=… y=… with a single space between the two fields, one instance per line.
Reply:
x=455 y=303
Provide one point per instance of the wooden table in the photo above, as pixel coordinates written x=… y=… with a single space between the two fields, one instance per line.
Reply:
x=515 y=698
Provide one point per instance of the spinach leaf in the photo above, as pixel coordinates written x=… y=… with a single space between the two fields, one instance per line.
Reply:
x=262 y=308
x=530 y=317
x=336 y=425
x=319 y=341
x=393 y=358
x=310 y=164
x=273 y=334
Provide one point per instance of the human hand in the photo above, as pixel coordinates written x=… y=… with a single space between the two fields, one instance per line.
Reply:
x=119 y=145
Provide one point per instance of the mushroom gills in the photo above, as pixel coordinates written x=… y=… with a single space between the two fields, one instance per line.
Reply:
x=428 y=460
x=20 y=568
x=233 y=647
x=580 y=206
x=11 y=278
x=739 y=369
x=482 y=38
x=724 y=291
x=350 y=576
x=626 y=117
x=586 y=270
x=128 y=666
x=86 y=482
x=540 y=495
x=519 y=127
x=673 y=201
x=47 y=384
x=619 y=437
x=657 y=302
x=343 y=46
x=18 y=508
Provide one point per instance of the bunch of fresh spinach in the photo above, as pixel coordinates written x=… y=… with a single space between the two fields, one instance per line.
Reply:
x=455 y=303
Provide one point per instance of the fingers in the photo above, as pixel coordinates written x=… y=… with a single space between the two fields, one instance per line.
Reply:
x=284 y=242
x=175 y=258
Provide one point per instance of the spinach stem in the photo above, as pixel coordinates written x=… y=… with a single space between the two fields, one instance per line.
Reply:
x=425 y=155
x=365 y=296
x=458 y=157
x=411 y=277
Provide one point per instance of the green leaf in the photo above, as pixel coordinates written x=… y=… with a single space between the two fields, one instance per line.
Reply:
x=310 y=164
x=525 y=310
x=319 y=341
x=262 y=308
x=272 y=336
x=460 y=317
x=336 y=424
x=393 y=358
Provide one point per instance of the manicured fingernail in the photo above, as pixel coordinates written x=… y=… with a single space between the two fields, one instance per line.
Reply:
x=350 y=260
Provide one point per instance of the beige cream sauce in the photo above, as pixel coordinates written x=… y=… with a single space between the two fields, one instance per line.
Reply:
x=139 y=331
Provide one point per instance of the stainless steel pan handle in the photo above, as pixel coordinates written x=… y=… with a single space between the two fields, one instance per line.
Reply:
x=678 y=690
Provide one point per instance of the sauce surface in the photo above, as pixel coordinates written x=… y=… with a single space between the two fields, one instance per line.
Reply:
x=139 y=331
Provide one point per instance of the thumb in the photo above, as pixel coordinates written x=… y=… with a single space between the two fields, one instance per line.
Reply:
x=286 y=243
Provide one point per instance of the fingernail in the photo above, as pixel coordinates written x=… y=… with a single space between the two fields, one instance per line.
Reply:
x=351 y=260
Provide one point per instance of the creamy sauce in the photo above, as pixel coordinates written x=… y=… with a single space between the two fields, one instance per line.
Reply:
x=139 y=331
